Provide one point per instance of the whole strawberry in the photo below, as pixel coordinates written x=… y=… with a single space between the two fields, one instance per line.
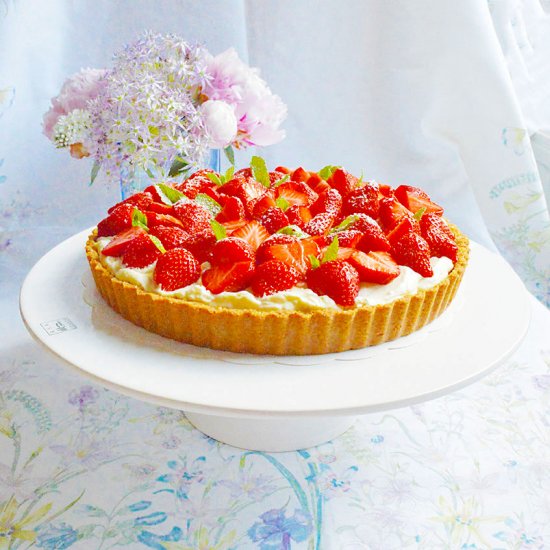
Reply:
x=141 y=252
x=193 y=216
x=273 y=219
x=414 y=252
x=274 y=276
x=176 y=269
x=337 y=280
x=117 y=221
x=170 y=236
x=439 y=236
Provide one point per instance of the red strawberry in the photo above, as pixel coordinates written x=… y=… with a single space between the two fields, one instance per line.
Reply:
x=415 y=199
x=244 y=173
x=154 y=219
x=253 y=232
x=263 y=203
x=296 y=254
x=390 y=213
x=140 y=252
x=232 y=226
x=274 y=276
x=275 y=176
x=296 y=193
x=405 y=225
x=197 y=183
x=232 y=210
x=329 y=201
x=200 y=244
x=176 y=269
x=318 y=184
x=299 y=175
x=337 y=279
x=374 y=267
x=384 y=190
x=362 y=201
x=439 y=236
x=274 y=219
x=160 y=208
x=413 y=251
x=347 y=238
x=139 y=200
x=194 y=217
x=298 y=215
x=245 y=189
x=343 y=253
x=277 y=238
x=170 y=236
x=118 y=220
x=231 y=250
x=320 y=224
x=158 y=196
x=282 y=169
x=343 y=181
x=228 y=277
x=118 y=245
x=373 y=237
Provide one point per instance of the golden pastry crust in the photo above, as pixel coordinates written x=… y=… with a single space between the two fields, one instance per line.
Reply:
x=276 y=332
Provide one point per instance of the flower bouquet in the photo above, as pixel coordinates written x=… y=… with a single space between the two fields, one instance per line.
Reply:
x=161 y=108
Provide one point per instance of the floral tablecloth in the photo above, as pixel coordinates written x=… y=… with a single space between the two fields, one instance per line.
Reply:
x=83 y=467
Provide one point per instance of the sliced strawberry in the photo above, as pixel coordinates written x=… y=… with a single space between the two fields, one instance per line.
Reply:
x=274 y=276
x=278 y=238
x=275 y=176
x=246 y=189
x=296 y=193
x=374 y=267
x=343 y=181
x=232 y=226
x=200 y=244
x=282 y=169
x=343 y=253
x=194 y=218
x=228 y=277
x=329 y=201
x=296 y=254
x=231 y=250
x=336 y=279
x=232 y=210
x=390 y=213
x=254 y=233
x=176 y=269
x=413 y=251
x=363 y=200
x=117 y=221
x=317 y=183
x=298 y=215
x=139 y=200
x=274 y=219
x=197 y=183
x=405 y=225
x=320 y=224
x=244 y=173
x=439 y=236
x=348 y=238
x=170 y=236
x=154 y=219
x=119 y=244
x=414 y=199
x=373 y=237
x=262 y=203
x=140 y=252
x=160 y=208
x=299 y=175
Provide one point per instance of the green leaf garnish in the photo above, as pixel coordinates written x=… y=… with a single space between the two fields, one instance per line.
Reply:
x=139 y=219
x=229 y=174
x=218 y=229
x=179 y=166
x=350 y=220
x=282 y=203
x=286 y=177
x=331 y=252
x=314 y=261
x=293 y=230
x=213 y=206
x=327 y=171
x=157 y=243
x=94 y=172
x=173 y=195
x=229 y=153
x=259 y=170
x=149 y=172
x=419 y=213
x=214 y=178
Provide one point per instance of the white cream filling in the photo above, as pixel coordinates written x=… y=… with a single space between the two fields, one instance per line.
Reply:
x=299 y=298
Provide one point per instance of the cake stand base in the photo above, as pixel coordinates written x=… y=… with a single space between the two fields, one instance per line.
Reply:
x=271 y=434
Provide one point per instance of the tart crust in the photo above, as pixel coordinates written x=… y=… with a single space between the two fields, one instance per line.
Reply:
x=277 y=332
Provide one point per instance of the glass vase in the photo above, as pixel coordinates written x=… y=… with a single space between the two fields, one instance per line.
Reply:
x=134 y=180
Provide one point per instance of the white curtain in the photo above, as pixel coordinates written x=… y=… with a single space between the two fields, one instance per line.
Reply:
x=451 y=96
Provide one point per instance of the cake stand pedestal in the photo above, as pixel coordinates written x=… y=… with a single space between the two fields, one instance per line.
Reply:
x=273 y=403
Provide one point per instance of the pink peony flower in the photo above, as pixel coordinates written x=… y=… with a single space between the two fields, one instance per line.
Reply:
x=220 y=122
x=75 y=94
x=258 y=111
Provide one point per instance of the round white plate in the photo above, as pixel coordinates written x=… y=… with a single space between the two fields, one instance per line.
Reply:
x=483 y=326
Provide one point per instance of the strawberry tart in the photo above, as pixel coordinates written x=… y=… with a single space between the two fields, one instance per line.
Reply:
x=278 y=262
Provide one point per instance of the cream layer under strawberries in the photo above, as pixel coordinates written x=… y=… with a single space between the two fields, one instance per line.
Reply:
x=299 y=298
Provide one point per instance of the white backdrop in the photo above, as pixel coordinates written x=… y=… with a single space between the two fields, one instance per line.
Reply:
x=440 y=94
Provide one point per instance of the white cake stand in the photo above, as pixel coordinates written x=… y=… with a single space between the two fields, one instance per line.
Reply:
x=267 y=402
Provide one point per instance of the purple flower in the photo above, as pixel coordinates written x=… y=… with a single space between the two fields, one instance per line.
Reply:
x=276 y=531
x=85 y=396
